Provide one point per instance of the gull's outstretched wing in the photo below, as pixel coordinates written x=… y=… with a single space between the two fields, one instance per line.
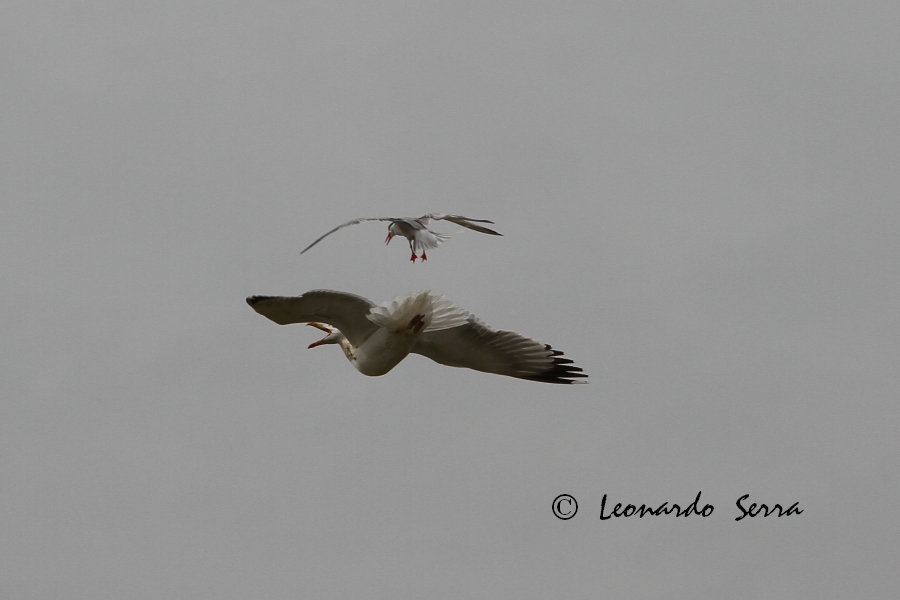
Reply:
x=477 y=346
x=345 y=311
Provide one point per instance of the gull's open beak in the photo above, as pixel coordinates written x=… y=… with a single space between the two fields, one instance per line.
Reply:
x=387 y=240
x=327 y=331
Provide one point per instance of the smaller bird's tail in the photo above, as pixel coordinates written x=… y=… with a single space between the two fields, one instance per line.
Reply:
x=427 y=239
x=443 y=237
x=418 y=312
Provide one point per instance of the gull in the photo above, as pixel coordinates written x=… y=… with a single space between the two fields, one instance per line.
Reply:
x=376 y=338
x=415 y=229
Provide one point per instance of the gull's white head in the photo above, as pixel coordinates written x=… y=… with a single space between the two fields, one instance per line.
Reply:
x=333 y=335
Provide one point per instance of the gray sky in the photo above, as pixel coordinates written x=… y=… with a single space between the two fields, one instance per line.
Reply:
x=699 y=202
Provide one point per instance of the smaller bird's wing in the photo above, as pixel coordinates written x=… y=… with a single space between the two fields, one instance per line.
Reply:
x=347 y=224
x=345 y=311
x=463 y=221
x=477 y=346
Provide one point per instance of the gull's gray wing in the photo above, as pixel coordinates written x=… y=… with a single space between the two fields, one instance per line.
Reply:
x=345 y=311
x=477 y=346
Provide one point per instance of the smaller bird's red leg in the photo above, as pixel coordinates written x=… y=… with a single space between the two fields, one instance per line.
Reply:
x=423 y=255
x=413 y=252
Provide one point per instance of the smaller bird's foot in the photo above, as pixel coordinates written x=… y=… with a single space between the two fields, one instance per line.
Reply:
x=424 y=258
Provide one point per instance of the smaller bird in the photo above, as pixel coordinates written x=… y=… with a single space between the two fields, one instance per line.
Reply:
x=415 y=230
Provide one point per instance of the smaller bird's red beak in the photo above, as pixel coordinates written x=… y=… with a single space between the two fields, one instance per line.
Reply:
x=387 y=240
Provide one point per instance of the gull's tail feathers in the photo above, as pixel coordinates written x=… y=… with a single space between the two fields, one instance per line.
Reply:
x=418 y=312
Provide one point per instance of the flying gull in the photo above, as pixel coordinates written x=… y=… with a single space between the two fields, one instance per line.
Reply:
x=376 y=338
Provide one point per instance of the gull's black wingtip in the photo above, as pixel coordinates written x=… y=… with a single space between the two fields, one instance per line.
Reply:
x=561 y=371
x=254 y=300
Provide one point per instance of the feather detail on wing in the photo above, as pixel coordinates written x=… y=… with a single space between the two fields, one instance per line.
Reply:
x=347 y=224
x=345 y=311
x=476 y=346
x=464 y=222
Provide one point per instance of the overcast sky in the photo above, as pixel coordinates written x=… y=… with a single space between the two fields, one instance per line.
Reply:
x=699 y=203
